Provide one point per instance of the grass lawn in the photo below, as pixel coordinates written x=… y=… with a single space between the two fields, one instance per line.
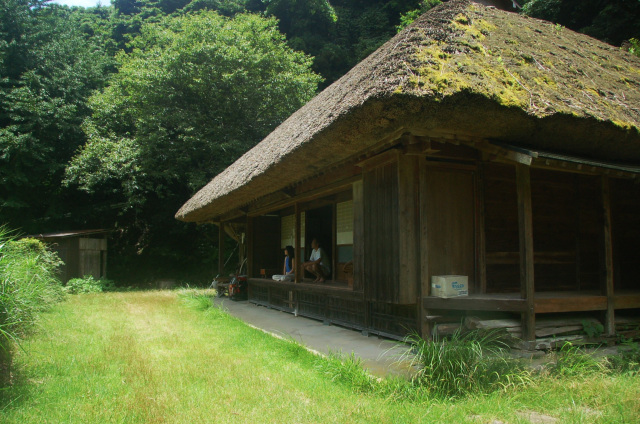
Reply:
x=150 y=357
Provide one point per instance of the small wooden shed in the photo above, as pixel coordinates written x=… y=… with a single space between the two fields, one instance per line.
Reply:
x=476 y=142
x=83 y=252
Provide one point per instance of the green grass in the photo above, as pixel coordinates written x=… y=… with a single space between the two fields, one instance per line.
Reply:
x=29 y=285
x=166 y=357
x=471 y=363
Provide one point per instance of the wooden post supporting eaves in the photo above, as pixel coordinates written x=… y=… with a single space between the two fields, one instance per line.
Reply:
x=608 y=255
x=525 y=223
x=425 y=288
x=250 y=240
x=481 y=245
x=299 y=272
x=221 y=248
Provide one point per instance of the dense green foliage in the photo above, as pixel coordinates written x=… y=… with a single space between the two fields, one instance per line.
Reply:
x=613 y=21
x=48 y=68
x=193 y=95
x=29 y=284
x=88 y=284
x=112 y=117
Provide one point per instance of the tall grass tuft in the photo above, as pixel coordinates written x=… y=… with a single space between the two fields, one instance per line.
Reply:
x=465 y=363
x=28 y=285
x=347 y=369
x=627 y=360
x=573 y=360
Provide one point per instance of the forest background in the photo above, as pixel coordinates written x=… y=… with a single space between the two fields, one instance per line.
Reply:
x=113 y=116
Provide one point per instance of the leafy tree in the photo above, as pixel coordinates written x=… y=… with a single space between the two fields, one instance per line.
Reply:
x=340 y=33
x=195 y=93
x=48 y=68
x=635 y=46
x=613 y=21
x=407 y=18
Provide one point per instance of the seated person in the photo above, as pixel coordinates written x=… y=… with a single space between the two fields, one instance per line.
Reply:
x=289 y=263
x=318 y=263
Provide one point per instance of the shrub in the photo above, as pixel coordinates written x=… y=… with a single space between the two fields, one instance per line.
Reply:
x=29 y=284
x=465 y=363
x=88 y=284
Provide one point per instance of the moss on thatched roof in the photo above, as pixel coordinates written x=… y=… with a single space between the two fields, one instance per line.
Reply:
x=463 y=69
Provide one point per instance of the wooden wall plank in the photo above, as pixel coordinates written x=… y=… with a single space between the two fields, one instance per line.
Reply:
x=92 y=243
x=267 y=253
x=463 y=303
x=571 y=304
x=450 y=216
x=381 y=264
x=408 y=221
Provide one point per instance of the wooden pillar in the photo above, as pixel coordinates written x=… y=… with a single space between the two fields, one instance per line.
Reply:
x=425 y=289
x=296 y=246
x=334 y=241
x=221 y=248
x=358 y=236
x=481 y=246
x=359 y=251
x=250 y=238
x=607 y=286
x=525 y=223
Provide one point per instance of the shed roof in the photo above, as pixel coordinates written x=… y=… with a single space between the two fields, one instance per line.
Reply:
x=461 y=69
x=68 y=234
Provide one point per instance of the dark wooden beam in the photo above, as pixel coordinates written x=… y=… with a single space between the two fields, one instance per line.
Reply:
x=221 y=232
x=525 y=224
x=334 y=230
x=463 y=303
x=299 y=272
x=358 y=236
x=419 y=146
x=250 y=243
x=289 y=191
x=627 y=301
x=481 y=248
x=327 y=190
x=384 y=158
x=426 y=326
x=570 y=304
x=607 y=286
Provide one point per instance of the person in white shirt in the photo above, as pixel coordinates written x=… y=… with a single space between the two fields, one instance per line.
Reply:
x=318 y=263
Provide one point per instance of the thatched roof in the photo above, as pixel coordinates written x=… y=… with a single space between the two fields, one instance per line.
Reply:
x=461 y=68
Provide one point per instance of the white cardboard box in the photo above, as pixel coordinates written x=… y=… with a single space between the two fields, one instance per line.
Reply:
x=449 y=285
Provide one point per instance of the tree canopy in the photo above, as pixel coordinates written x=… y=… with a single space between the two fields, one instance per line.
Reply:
x=48 y=68
x=194 y=94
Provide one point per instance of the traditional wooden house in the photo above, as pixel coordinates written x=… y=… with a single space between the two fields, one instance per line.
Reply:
x=476 y=142
x=83 y=252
